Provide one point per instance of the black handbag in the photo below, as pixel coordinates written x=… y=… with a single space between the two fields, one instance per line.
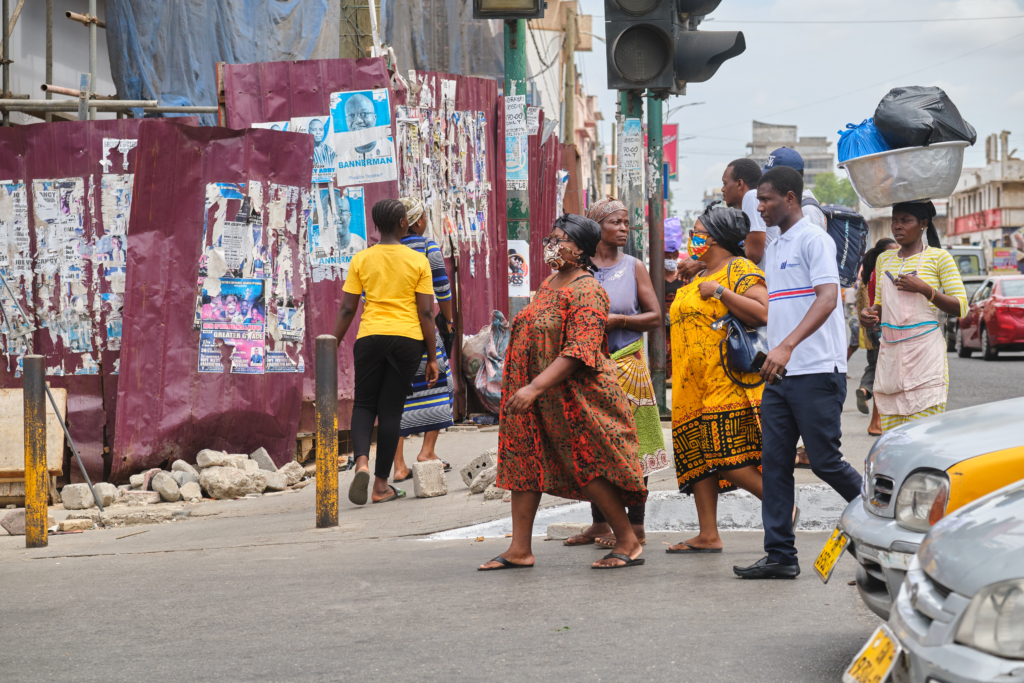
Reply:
x=742 y=342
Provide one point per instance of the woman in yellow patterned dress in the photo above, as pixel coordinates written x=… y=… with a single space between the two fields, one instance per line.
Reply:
x=716 y=423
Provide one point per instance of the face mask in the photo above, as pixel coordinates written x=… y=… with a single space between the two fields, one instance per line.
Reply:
x=553 y=257
x=671 y=264
x=698 y=245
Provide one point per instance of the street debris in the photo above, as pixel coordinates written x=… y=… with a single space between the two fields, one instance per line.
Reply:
x=428 y=479
x=14 y=522
x=479 y=464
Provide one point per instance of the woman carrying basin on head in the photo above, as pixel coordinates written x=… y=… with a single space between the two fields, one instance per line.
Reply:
x=913 y=284
x=566 y=426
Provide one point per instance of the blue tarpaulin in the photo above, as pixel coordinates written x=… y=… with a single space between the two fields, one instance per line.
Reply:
x=168 y=51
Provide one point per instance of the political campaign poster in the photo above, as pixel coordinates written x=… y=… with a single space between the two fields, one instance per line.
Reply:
x=518 y=268
x=324 y=158
x=338 y=226
x=233 y=313
x=361 y=135
x=272 y=125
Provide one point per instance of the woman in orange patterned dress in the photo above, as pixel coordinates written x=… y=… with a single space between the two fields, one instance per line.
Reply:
x=716 y=423
x=566 y=426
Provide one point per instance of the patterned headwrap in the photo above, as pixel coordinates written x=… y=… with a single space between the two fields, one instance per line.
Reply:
x=604 y=208
x=413 y=208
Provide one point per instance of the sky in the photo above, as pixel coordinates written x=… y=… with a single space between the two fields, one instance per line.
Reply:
x=822 y=76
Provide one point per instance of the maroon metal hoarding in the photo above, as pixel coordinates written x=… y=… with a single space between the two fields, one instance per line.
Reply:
x=189 y=183
x=545 y=162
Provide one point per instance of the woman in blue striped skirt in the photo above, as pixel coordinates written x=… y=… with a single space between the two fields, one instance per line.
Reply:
x=429 y=409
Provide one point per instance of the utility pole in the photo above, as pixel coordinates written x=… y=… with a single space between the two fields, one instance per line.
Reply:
x=615 y=169
x=573 y=201
x=656 y=214
x=517 y=199
x=631 y=169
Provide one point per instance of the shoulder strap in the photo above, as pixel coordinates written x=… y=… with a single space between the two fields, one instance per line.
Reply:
x=810 y=201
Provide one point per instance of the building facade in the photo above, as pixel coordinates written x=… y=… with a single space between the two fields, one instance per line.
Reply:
x=768 y=137
x=987 y=207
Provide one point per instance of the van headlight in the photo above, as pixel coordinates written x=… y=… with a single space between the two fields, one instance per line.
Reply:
x=994 y=621
x=922 y=500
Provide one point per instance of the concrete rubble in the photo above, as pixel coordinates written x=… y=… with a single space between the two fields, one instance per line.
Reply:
x=261 y=456
x=492 y=492
x=75 y=525
x=483 y=479
x=77 y=497
x=428 y=479
x=559 y=531
x=480 y=463
x=14 y=522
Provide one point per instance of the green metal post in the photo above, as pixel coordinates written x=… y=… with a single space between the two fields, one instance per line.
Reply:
x=656 y=219
x=517 y=201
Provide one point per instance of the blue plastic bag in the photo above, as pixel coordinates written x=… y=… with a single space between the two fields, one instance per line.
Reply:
x=859 y=141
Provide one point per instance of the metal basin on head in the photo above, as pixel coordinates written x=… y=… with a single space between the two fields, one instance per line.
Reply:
x=908 y=174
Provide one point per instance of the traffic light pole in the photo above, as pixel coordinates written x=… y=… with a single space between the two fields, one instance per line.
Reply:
x=517 y=200
x=631 y=191
x=656 y=217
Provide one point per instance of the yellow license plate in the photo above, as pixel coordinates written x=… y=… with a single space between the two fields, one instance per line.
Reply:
x=830 y=554
x=876 y=659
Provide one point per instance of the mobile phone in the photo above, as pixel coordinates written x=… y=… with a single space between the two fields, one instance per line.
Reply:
x=758 y=363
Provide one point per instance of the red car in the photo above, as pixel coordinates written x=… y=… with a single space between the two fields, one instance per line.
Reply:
x=994 y=320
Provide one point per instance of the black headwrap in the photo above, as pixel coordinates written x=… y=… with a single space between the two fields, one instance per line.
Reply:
x=585 y=233
x=922 y=211
x=728 y=226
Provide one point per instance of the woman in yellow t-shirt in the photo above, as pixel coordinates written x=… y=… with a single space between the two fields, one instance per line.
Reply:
x=398 y=314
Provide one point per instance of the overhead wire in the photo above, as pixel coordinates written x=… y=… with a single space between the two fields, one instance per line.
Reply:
x=859 y=21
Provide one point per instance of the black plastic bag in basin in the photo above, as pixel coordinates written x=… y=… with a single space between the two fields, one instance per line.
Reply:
x=917 y=116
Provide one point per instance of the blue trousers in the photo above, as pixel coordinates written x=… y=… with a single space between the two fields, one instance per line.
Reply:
x=810 y=406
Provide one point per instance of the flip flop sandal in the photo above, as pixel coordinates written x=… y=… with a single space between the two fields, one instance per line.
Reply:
x=405 y=478
x=862 y=400
x=447 y=466
x=691 y=550
x=619 y=556
x=505 y=564
x=399 y=493
x=359 y=489
x=587 y=540
x=608 y=542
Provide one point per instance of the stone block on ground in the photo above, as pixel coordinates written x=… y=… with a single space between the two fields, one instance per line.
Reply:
x=138 y=497
x=76 y=525
x=563 y=530
x=191 y=492
x=229 y=482
x=276 y=481
x=294 y=472
x=182 y=466
x=147 y=478
x=261 y=457
x=479 y=463
x=506 y=497
x=181 y=477
x=483 y=479
x=492 y=492
x=14 y=522
x=250 y=466
x=77 y=497
x=136 y=481
x=310 y=470
x=164 y=484
x=116 y=518
x=208 y=458
x=108 y=493
x=428 y=479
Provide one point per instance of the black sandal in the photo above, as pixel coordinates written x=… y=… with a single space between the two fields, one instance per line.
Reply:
x=691 y=550
x=505 y=564
x=618 y=556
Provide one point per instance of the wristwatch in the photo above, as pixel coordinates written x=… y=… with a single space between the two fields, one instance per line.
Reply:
x=718 y=292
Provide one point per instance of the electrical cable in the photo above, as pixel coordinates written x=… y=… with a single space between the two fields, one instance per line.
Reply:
x=861 y=21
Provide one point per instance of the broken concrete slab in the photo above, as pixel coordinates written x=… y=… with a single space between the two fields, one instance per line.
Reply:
x=191 y=492
x=483 y=479
x=492 y=492
x=148 y=478
x=164 y=484
x=250 y=466
x=107 y=493
x=14 y=522
x=76 y=525
x=136 y=481
x=428 y=479
x=479 y=463
x=276 y=481
x=261 y=456
x=559 y=531
x=181 y=477
x=294 y=472
x=229 y=482
x=116 y=518
x=207 y=458
x=138 y=497
x=182 y=466
x=77 y=497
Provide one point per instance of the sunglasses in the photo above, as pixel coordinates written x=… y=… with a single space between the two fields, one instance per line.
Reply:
x=554 y=241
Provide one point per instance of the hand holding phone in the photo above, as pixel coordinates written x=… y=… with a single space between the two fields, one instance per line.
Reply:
x=758 y=362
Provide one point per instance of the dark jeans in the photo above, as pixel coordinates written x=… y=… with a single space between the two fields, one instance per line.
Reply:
x=385 y=366
x=808 y=406
x=635 y=513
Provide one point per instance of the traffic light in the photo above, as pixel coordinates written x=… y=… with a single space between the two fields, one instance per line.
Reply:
x=655 y=44
x=509 y=9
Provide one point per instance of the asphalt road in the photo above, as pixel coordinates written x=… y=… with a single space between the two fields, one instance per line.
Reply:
x=330 y=610
x=973 y=380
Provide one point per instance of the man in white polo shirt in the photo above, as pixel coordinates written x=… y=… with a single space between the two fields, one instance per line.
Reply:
x=807 y=360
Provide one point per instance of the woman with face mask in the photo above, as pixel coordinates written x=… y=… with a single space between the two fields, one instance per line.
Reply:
x=566 y=426
x=634 y=310
x=913 y=283
x=716 y=423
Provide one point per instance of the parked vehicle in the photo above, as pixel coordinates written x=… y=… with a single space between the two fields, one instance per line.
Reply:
x=959 y=615
x=973 y=267
x=918 y=473
x=995 y=319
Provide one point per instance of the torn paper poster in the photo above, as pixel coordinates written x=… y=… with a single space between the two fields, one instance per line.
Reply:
x=279 y=361
x=116 y=202
x=515 y=116
x=122 y=146
x=362 y=138
x=272 y=125
x=233 y=312
x=532 y=120
x=517 y=175
x=337 y=230
x=324 y=158
x=518 y=268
